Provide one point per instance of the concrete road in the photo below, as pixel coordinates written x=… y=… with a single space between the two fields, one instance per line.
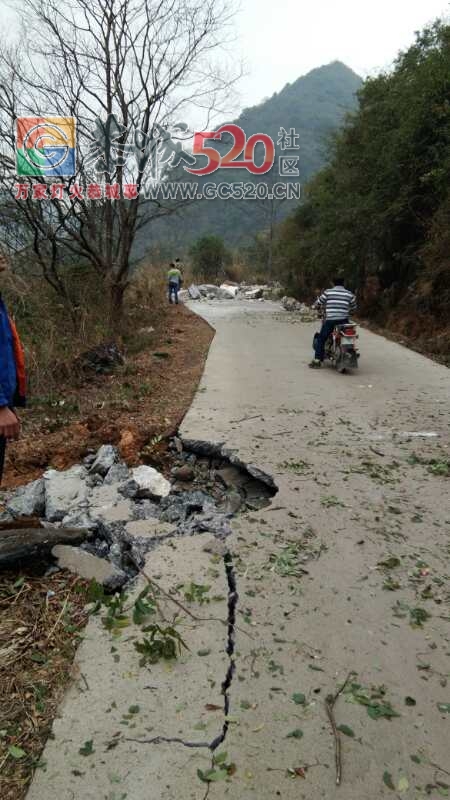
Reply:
x=347 y=572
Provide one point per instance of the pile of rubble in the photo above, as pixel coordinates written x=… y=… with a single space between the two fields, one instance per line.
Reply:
x=242 y=291
x=232 y=291
x=125 y=512
x=307 y=314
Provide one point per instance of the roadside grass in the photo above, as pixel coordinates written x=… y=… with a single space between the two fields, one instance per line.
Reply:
x=41 y=620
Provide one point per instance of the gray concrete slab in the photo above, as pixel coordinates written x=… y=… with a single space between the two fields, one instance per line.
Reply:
x=312 y=606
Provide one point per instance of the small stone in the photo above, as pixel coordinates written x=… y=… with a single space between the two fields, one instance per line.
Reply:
x=194 y=293
x=254 y=294
x=106 y=456
x=129 y=489
x=28 y=501
x=178 y=444
x=233 y=503
x=231 y=476
x=89 y=566
x=117 y=474
x=79 y=519
x=145 y=509
x=94 y=480
x=185 y=473
x=151 y=483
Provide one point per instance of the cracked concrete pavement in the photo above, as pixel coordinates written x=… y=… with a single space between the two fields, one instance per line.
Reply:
x=314 y=602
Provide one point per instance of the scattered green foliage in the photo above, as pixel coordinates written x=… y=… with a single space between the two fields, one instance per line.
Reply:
x=162 y=643
x=288 y=561
x=16 y=752
x=390 y=585
x=297 y=467
x=143 y=607
x=329 y=501
x=196 y=593
x=387 y=780
x=87 y=749
x=220 y=770
x=418 y=616
x=389 y=563
x=373 y=698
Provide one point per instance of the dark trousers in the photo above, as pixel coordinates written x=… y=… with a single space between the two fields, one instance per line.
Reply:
x=173 y=291
x=327 y=329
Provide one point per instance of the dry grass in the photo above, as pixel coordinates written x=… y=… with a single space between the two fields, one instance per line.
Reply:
x=53 y=340
x=39 y=631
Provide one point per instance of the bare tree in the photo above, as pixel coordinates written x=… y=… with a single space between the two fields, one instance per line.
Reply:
x=126 y=70
x=269 y=210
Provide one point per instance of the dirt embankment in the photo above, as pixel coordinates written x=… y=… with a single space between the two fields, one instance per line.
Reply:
x=134 y=407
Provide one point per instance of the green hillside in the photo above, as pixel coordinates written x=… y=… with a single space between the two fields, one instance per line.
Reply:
x=315 y=105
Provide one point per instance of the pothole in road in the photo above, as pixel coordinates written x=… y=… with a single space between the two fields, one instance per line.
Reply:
x=127 y=513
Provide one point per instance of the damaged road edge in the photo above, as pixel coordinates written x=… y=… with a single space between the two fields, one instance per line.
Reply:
x=204 y=448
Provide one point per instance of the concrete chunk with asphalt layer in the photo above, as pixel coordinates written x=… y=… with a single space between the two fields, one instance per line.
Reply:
x=107 y=505
x=64 y=492
x=89 y=566
x=28 y=501
x=106 y=457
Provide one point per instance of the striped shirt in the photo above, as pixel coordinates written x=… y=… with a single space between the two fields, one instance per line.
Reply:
x=339 y=302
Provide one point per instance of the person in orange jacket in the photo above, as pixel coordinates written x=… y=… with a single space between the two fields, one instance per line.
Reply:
x=12 y=377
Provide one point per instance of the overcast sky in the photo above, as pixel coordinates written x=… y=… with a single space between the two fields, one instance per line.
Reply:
x=280 y=40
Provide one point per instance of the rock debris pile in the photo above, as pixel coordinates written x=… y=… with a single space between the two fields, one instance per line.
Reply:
x=125 y=512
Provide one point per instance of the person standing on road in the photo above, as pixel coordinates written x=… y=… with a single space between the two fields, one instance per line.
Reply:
x=175 y=279
x=12 y=377
x=337 y=304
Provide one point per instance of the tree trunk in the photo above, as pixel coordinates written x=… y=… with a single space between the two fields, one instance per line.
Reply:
x=117 y=296
x=19 y=543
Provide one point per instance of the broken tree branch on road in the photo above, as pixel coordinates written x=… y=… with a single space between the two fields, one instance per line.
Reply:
x=330 y=703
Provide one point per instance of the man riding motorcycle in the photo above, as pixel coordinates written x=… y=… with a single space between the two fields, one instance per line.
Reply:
x=337 y=303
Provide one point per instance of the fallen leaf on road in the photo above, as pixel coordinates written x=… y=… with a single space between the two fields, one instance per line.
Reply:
x=387 y=779
x=346 y=730
x=87 y=749
x=297 y=734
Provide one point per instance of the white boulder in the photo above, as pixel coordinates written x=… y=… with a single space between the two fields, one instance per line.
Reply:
x=151 y=483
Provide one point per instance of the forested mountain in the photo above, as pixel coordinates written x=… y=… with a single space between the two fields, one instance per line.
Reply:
x=380 y=210
x=315 y=105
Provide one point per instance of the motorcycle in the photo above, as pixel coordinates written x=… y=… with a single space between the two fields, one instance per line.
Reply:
x=340 y=348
